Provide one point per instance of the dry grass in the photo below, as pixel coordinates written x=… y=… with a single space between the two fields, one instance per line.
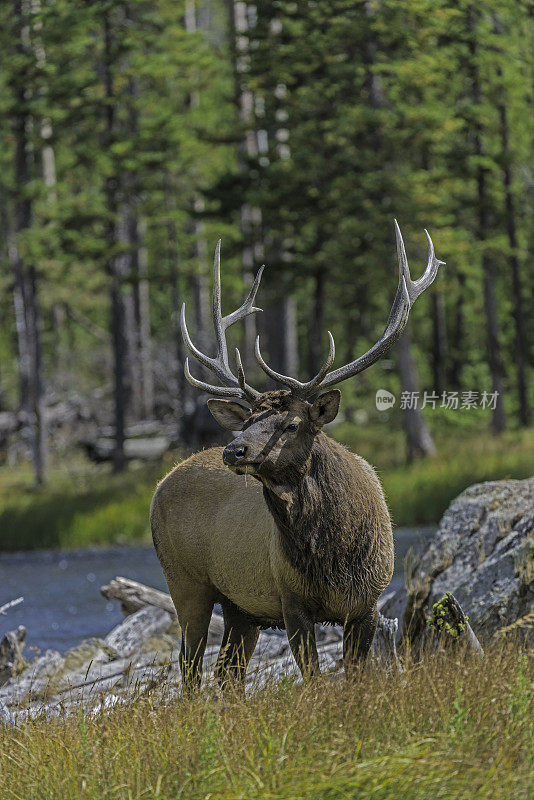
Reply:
x=450 y=729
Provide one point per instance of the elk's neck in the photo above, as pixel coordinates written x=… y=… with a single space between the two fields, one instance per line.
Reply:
x=316 y=514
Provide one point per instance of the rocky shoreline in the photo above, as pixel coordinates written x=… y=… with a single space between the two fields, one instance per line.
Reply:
x=137 y=656
x=483 y=551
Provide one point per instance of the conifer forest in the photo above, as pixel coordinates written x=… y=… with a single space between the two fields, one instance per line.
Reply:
x=136 y=133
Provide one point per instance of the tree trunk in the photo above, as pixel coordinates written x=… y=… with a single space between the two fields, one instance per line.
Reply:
x=250 y=216
x=418 y=439
x=316 y=353
x=181 y=383
x=458 y=336
x=124 y=268
x=495 y=361
x=439 y=342
x=116 y=297
x=26 y=297
x=281 y=342
x=142 y=314
x=517 y=287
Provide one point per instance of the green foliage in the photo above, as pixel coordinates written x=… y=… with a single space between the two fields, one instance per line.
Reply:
x=364 y=111
x=76 y=509
x=84 y=505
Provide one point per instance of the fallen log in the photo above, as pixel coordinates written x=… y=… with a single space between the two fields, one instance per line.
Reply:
x=133 y=596
x=140 y=449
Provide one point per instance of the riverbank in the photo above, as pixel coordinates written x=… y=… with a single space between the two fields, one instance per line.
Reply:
x=85 y=504
x=447 y=728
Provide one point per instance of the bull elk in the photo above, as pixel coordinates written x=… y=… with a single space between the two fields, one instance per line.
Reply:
x=310 y=539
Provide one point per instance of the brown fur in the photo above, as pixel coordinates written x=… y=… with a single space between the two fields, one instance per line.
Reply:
x=309 y=540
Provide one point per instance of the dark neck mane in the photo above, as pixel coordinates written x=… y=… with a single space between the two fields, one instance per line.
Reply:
x=319 y=517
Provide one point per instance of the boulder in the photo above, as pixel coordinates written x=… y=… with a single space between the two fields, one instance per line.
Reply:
x=483 y=552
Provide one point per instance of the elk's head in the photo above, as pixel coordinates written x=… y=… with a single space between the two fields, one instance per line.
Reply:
x=277 y=428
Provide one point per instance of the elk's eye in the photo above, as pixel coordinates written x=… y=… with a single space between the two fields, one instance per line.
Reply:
x=292 y=427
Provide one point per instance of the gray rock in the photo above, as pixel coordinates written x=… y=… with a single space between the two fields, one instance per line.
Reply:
x=483 y=552
x=128 y=637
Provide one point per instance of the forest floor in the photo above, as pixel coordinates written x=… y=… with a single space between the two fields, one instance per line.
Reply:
x=84 y=504
x=448 y=728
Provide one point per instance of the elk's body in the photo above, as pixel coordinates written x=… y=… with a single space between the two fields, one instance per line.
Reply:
x=335 y=548
x=294 y=529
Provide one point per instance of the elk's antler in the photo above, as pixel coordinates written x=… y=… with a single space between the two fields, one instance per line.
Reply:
x=234 y=386
x=407 y=293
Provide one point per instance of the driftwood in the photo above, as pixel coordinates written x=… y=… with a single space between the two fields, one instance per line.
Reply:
x=142 y=449
x=11 y=660
x=384 y=646
x=12 y=603
x=134 y=596
x=450 y=625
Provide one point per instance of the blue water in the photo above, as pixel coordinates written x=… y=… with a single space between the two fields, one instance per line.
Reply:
x=61 y=589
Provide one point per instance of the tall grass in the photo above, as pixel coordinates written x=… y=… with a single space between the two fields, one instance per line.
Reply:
x=448 y=729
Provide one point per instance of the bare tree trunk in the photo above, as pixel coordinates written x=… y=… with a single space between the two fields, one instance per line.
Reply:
x=181 y=382
x=124 y=265
x=458 y=336
x=199 y=280
x=495 y=361
x=250 y=216
x=517 y=284
x=141 y=385
x=290 y=364
x=281 y=341
x=142 y=314
x=26 y=299
x=116 y=296
x=439 y=342
x=317 y=344
x=418 y=439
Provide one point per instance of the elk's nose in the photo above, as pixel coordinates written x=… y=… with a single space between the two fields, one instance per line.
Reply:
x=234 y=453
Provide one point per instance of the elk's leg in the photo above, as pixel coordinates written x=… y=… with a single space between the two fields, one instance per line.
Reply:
x=358 y=634
x=300 y=629
x=239 y=641
x=194 y=605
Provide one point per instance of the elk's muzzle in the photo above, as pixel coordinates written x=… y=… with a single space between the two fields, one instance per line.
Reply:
x=234 y=453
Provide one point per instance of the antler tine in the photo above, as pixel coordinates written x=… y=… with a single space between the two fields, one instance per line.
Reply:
x=219 y=365
x=248 y=306
x=407 y=293
x=296 y=386
x=219 y=391
x=251 y=393
x=415 y=288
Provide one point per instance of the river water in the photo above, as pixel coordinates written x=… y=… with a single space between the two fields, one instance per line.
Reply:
x=61 y=589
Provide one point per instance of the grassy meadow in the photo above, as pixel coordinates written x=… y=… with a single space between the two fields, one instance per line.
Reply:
x=449 y=728
x=84 y=504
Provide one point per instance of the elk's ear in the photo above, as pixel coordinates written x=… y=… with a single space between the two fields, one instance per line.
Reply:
x=325 y=408
x=229 y=415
